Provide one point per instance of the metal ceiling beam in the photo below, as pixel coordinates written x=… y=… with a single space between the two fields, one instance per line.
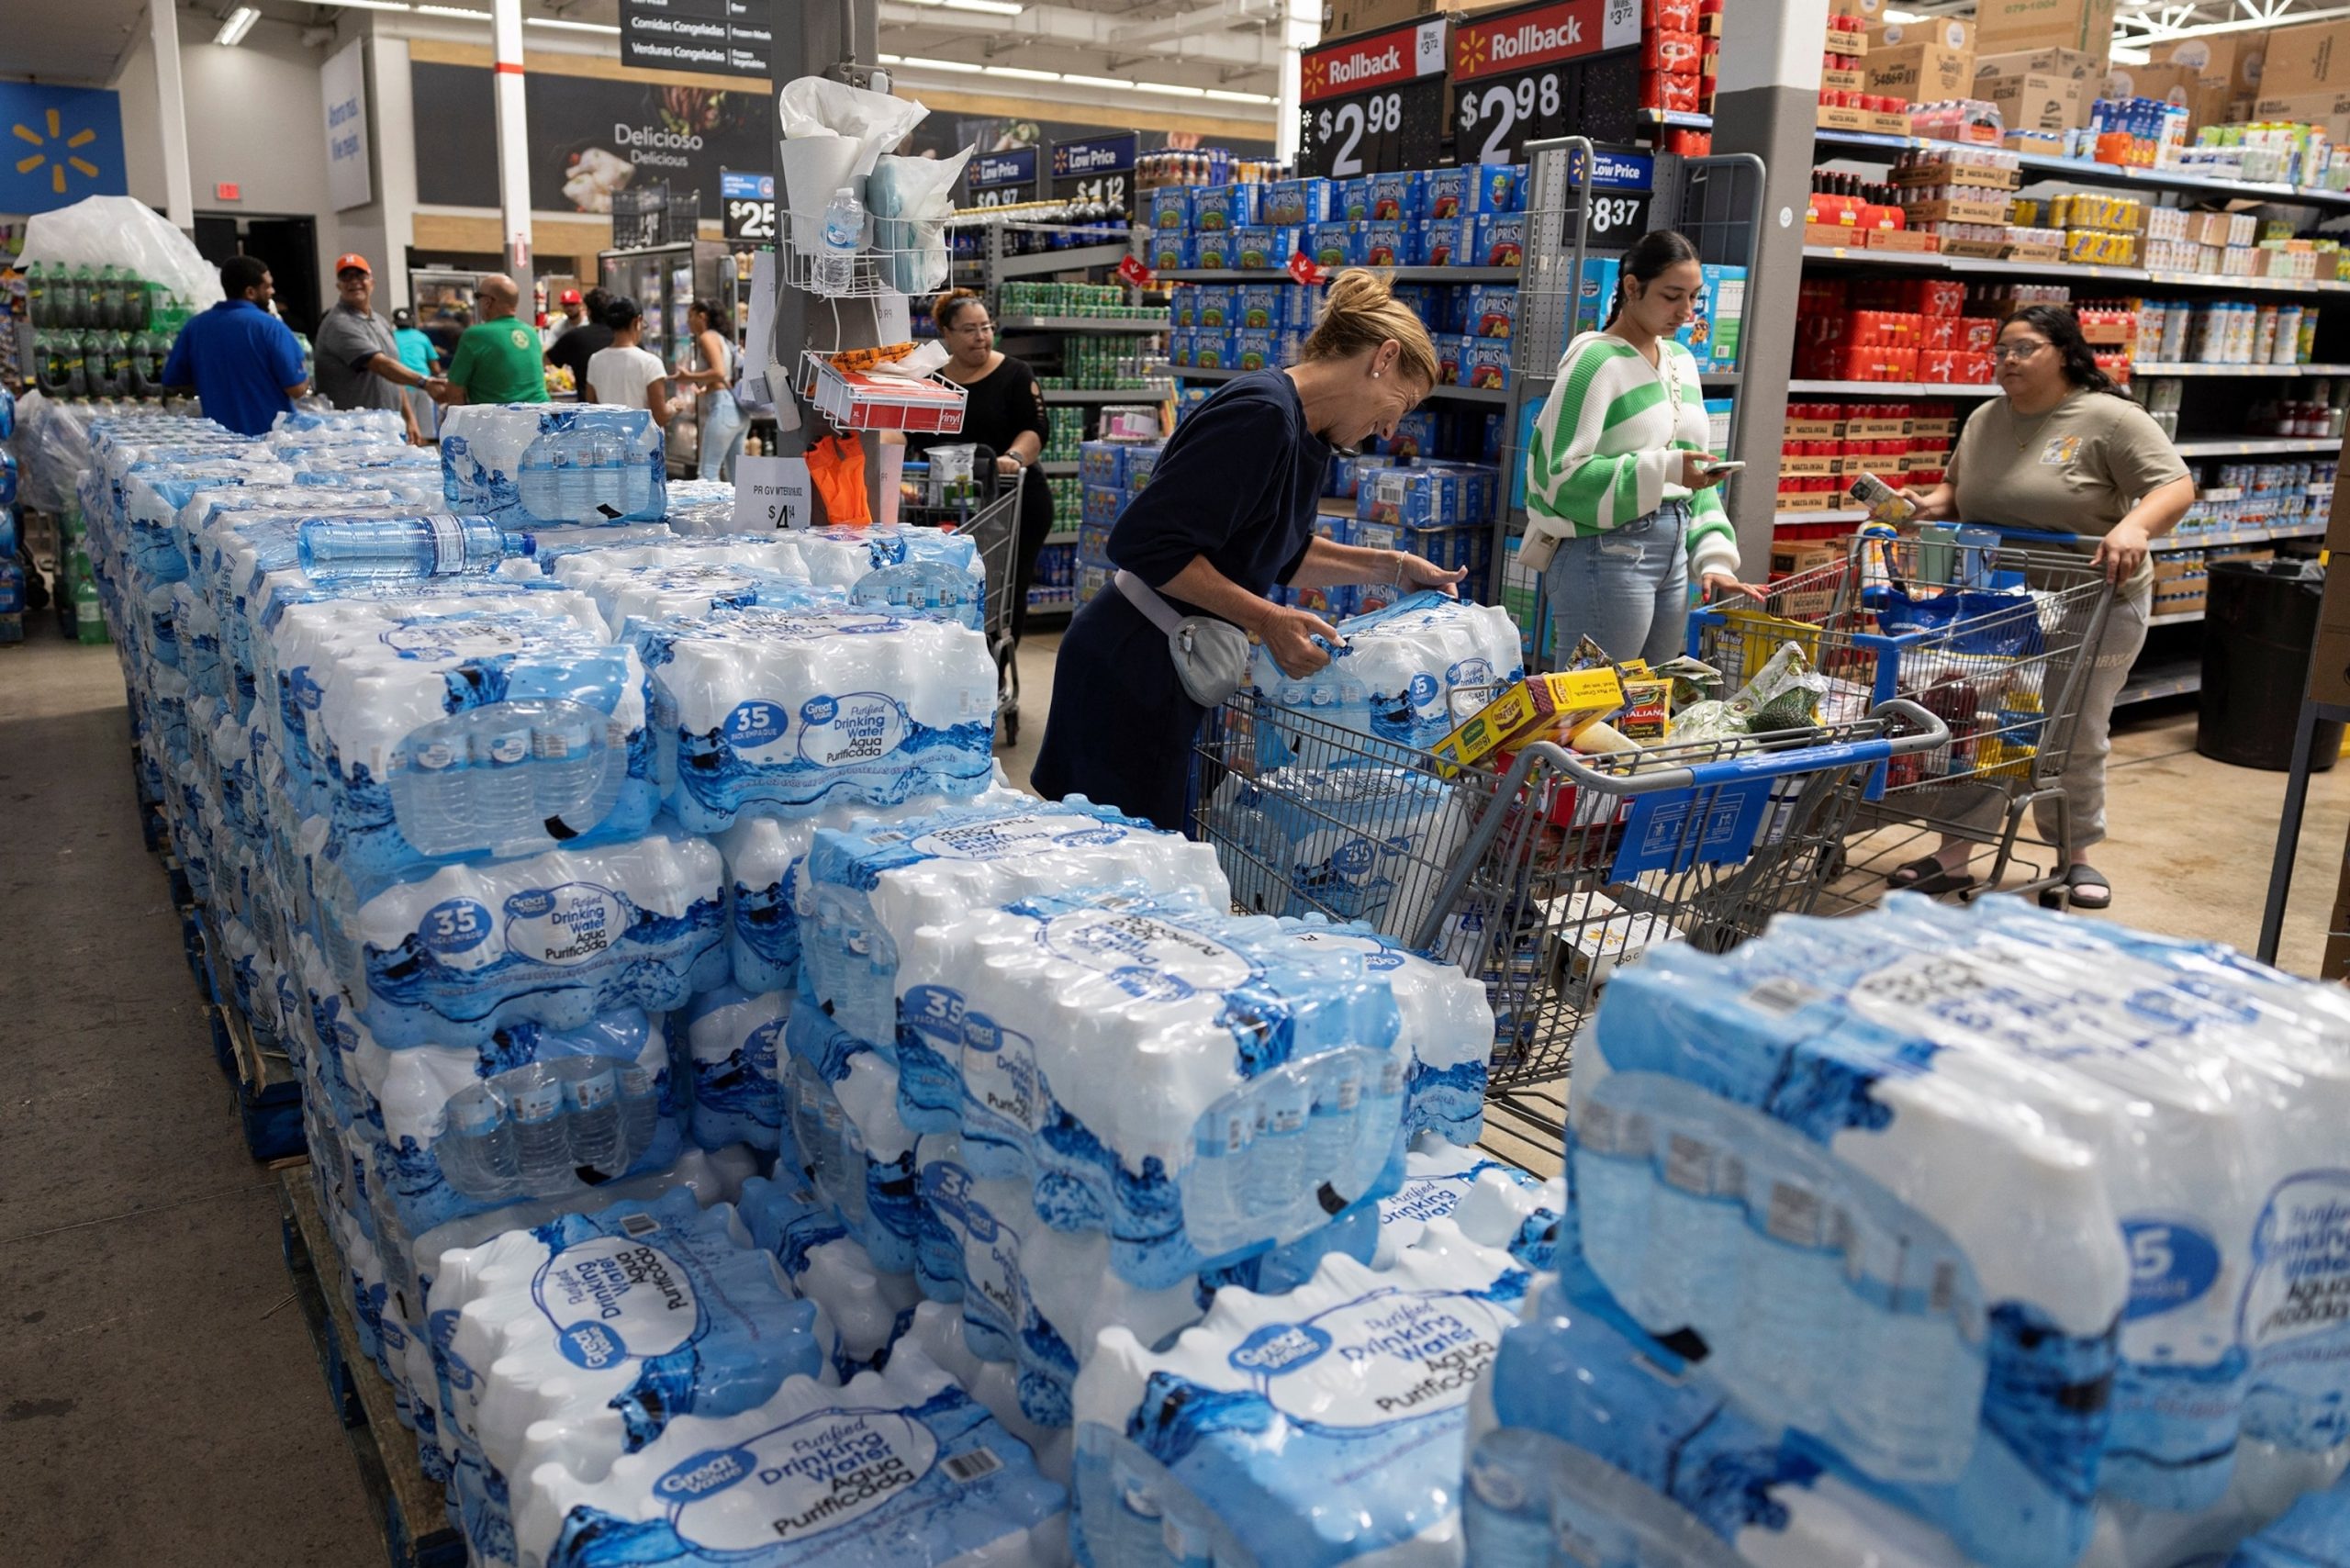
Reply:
x=1097 y=30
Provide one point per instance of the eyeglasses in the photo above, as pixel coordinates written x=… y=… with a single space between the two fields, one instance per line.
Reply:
x=977 y=328
x=2014 y=351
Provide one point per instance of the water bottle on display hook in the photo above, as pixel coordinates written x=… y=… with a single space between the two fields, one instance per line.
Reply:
x=843 y=232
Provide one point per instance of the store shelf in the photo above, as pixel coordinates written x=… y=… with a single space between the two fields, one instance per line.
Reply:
x=1095 y=394
x=2172 y=677
x=2176 y=618
x=2257 y=446
x=2239 y=536
x=1892 y=389
x=1067 y=470
x=1803 y=519
x=1062 y=261
x=1145 y=327
x=1060 y=536
x=1451 y=394
x=1719 y=378
x=2138 y=370
x=1678 y=119
x=1928 y=261
x=1400 y=274
x=1861 y=144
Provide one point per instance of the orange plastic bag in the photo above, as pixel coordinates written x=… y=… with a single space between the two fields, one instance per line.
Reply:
x=836 y=467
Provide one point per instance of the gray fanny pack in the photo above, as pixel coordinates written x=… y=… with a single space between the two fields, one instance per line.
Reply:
x=1211 y=656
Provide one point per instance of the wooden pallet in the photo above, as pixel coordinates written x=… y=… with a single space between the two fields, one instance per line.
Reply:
x=413 y=1510
x=268 y=1096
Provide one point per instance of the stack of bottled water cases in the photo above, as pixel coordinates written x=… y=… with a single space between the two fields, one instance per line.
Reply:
x=1935 y=1237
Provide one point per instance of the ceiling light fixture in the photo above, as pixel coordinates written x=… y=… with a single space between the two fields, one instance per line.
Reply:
x=1172 y=89
x=571 y=26
x=234 y=28
x=373 y=5
x=1225 y=96
x=1075 y=81
x=457 y=11
x=961 y=67
x=1022 y=73
x=991 y=7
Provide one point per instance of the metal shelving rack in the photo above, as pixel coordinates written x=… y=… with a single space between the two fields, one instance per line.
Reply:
x=2164 y=671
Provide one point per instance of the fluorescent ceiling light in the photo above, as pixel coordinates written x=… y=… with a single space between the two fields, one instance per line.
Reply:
x=1022 y=73
x=452 y=11
x=1172 y=89
x=574 y=26
x=890 y=59
x=1903 y=18
x=1231 y=98
x=233 y=29
x=1075 y=81
x=371 y=5
x=992 y=8
x=910 y=63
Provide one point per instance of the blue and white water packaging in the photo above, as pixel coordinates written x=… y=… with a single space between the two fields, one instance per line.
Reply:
x=1405 y=674
x=533 y=465
x=734 y=1039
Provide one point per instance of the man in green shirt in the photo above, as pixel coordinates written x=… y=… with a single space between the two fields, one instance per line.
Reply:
x=498 y=358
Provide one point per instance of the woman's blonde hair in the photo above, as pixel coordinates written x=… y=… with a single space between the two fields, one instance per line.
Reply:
x=1359 y=312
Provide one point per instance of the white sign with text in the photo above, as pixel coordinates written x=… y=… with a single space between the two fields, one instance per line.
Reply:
x=770 y=493
x=342 y=82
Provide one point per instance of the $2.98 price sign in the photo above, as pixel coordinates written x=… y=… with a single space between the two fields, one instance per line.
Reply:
x=1373 y=103
x=1516 y=75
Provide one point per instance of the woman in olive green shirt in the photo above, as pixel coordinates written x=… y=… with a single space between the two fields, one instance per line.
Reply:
x=2065 y=452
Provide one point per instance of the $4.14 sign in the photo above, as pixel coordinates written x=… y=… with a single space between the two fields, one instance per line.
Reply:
x=1516 y=74
x=1373 y=103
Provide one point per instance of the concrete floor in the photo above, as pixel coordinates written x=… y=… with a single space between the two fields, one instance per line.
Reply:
x=160 y=1404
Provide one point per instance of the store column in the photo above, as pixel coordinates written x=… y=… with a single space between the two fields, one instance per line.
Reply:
x=179 y=186
x=1768 y=104
x=513 y=151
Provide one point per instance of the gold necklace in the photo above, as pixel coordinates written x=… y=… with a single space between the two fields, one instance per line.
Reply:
x=2024 y=440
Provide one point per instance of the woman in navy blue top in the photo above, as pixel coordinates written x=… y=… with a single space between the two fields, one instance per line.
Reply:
x=1229 y=512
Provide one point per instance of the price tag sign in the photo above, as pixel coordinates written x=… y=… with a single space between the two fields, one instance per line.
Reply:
x=1002 y=179
x=770 y=493
x=1623 y=183
x=1100 y=169
x=748 y=203
x=1136 y=273
x=1306 y=270
x=1517 y=74
x=1374 y=103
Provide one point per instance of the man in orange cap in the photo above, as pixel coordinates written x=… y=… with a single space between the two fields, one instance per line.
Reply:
x=357 y=356
x=575 y=314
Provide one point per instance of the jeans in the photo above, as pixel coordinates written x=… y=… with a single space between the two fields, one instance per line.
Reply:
x=722 y=424
x=1626 y=589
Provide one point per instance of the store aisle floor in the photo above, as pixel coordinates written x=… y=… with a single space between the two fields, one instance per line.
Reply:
x=159 y=1402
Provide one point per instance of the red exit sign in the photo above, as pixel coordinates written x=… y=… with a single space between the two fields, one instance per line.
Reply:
x=228 y=190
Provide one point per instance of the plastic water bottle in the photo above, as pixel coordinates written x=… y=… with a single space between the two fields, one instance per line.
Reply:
x=590 y=1103
x=1277 y=1162
x=1909 y=1410
x=396 y=548
x=538 y=483
x=1699 y=1221
x=476 y=1147
x=79 y=287
x=106 y=299
x=1382 y=1116
x=1505 y=1507
x=807 y=1121
x=1331 y=1134
x=1792 y=1313
x=1186 y=1545
x=436 y=822
x=1614 y=1189
x=844 y=232
x=539 y=1133
x=562 y=751
x=1139 y=1523
x=40 y=295
x=503 y=801
x=640 y=1111
x=1219 y=1174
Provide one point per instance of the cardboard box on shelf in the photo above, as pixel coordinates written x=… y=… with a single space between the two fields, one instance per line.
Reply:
x=1951 y=32
x=2312 y=57
x=2330 y=108
x=2035 y=101
x=2070 y=64
x=1920 y=72
x=2202 y=73
x=2084 y=25
x=1846 y=82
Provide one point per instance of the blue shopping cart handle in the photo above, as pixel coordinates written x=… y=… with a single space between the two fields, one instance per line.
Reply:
x=1783 y=763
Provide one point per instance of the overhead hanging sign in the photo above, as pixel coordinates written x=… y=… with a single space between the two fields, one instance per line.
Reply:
x=1098 y=169
x=343 y=81
x=730 y=38
x=1374 y=103
x=1518 y=75
x=1002 y=179
x=746 y=207
x=66 y=143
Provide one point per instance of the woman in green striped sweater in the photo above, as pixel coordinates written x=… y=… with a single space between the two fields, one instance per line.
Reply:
x=1620 y=500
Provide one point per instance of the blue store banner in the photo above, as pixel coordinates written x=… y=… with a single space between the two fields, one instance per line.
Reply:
x=64 y=143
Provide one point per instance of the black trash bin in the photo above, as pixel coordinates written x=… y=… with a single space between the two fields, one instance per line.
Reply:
x=2257 y=632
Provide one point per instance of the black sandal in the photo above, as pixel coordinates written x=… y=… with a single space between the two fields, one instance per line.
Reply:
x=1927 y=874
x=2075 y=878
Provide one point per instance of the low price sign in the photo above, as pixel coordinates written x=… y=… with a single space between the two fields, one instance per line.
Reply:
x=1516 y=75
x=1374 y=103
x=1002 y=179
x=1623 y=183
x=1098 y=169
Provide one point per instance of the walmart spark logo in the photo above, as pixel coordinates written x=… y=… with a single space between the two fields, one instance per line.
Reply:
x=62 y=144
x=58 y=162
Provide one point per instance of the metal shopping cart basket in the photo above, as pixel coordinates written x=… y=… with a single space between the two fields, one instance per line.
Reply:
x=979 y=502
x=1993 y=630
x=1542 y=877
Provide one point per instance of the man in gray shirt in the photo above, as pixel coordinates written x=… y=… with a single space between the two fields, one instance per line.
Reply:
x=358 y=359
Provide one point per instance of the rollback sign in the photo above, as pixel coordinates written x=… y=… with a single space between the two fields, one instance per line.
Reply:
x=1522 y=75
x=1373 y=103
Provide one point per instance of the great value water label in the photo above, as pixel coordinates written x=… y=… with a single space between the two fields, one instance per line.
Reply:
x=614 y=1298
x=453 y=639
x=1148 y=956
x=1002 y=1080
x=840 y=732
x=570 y=924
x=1404 y=1354
x=1000 y=837
x=2294 y=1316
x=1378 y=957
x=454 y=928
x=808 y=1477
x=995 y=1290
x=789 y=626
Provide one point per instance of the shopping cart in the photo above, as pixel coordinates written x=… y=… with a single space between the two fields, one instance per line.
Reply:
x=975 y=500
x=1542 y=878
x=1994 y=631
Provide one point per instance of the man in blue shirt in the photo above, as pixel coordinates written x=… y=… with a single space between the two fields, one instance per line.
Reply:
x=244 y=364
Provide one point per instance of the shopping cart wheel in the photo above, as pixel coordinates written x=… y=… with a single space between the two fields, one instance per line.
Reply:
x=1010 y=726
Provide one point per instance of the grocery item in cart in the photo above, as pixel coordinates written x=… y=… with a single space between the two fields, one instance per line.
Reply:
x=898 y=1467
x=533 y=465
x=1406 y=674
x=1318 y=1427
x=1356 y=840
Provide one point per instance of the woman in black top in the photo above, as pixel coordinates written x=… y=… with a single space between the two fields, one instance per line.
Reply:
x=1228 y=512
x=1003 y=411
